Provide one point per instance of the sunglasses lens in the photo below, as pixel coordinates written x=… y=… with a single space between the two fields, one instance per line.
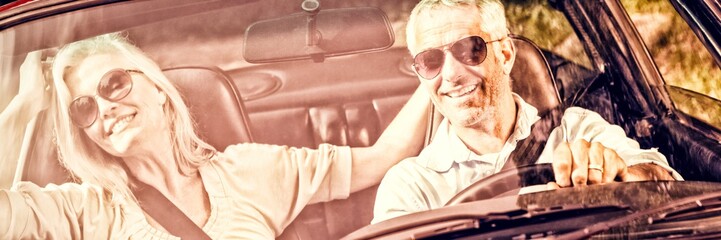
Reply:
x=83 y=111
x=428 y=63
x=115 y=85
x=470 y=51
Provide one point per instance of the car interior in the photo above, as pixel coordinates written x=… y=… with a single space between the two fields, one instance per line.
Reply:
x=271 y=104
x=346 y=100
x=350 y=100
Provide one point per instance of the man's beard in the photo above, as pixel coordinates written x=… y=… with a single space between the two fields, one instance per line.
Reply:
x=486 y=108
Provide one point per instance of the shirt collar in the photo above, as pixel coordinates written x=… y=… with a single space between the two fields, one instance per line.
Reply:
x=447 y=148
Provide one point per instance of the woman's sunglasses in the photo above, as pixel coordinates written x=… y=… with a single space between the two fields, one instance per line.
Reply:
x=470 y=51
x=113 y=86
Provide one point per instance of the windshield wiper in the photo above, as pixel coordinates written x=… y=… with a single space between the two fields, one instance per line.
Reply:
x=697 y=216
x=531 y=223
x=707 y=228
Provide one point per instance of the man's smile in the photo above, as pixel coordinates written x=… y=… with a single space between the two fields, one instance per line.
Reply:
x=460 y=92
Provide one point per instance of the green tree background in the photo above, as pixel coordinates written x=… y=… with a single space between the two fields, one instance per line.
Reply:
x=681 y=58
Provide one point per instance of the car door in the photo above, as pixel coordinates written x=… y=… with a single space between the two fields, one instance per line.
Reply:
x=661 y=86
x=682 y=37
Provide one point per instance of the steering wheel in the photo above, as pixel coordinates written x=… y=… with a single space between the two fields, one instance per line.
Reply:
x=505 y=181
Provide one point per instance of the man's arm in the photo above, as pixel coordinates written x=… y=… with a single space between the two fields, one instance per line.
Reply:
x=398 y=194
x=589 y=150
x=582 y=163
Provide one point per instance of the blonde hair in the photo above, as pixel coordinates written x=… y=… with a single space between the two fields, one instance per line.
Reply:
x=492 y=13
x=86 y=161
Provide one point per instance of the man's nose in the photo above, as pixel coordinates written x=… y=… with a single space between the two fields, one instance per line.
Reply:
x=452 y=69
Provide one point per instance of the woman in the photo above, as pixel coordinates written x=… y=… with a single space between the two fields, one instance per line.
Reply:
x=117 y=117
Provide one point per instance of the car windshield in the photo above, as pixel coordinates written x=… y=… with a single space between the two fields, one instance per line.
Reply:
x=211 y=34
x=251 y=71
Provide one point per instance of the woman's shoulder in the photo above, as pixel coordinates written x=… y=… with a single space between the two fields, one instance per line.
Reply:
x=26 y=186
x=89 y=197
x=70 y=192
x=230 y=171
x=251 y=147
x=248 y=156
x=269 y=152
x=251 y=151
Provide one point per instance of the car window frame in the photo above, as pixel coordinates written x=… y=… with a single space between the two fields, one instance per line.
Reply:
x=703 y=18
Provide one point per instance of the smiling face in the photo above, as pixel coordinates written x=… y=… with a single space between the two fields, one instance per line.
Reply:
x=466 y=95
x=126 y=126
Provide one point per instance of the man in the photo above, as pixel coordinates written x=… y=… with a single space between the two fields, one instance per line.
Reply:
x=463 y=57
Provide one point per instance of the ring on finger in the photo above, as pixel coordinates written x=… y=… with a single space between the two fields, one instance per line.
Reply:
x=595 y=167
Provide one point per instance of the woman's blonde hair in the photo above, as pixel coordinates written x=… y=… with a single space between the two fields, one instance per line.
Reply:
x=492 y=13
x=89 y=163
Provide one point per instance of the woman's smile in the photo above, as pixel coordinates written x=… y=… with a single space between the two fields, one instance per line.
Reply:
x=120 y=124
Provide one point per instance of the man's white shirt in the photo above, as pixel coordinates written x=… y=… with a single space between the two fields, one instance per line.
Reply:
x=446 y=166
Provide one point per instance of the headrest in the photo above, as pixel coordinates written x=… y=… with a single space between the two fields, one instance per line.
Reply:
x=214 y=103
x=531 y=76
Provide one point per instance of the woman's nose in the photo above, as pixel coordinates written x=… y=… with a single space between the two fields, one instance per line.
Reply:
x=106 y=109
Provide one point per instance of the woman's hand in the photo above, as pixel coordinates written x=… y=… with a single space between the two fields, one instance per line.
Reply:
x=34 y=91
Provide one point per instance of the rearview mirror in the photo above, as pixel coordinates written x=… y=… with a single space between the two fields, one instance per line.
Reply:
x=317 y=35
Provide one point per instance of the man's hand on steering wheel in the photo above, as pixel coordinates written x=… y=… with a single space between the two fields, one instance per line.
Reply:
x=582 y=163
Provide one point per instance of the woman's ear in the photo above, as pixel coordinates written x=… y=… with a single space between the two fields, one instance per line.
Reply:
x=162 y=97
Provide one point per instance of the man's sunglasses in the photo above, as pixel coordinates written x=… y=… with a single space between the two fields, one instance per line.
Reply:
x=113 y=86
x=470 y=51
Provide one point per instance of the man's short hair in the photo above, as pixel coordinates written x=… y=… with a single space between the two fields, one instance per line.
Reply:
x=492 y=15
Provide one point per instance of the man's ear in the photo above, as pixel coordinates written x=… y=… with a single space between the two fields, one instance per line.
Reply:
x=508 y=54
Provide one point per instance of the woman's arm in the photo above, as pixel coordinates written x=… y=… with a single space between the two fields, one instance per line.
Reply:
x=401 y=139
x=32 y=98
x=68 y=211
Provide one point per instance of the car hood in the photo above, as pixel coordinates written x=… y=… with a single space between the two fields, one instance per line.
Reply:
x=625 y=207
